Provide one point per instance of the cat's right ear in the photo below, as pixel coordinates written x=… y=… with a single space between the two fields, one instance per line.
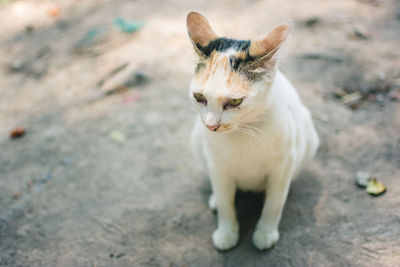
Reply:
x=200 y=31
x=269 y=45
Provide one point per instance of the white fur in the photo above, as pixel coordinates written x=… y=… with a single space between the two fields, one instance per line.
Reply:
x=269 y=140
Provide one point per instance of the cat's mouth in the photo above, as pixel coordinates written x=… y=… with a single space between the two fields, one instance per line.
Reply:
x=223 y=128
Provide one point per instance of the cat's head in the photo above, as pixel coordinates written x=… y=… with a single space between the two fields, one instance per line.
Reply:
x=232 y=77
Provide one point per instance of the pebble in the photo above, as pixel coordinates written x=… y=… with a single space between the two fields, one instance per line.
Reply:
x=362 y=179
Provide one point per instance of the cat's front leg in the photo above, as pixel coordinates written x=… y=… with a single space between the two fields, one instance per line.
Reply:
x=226 y=235
x=277 y=187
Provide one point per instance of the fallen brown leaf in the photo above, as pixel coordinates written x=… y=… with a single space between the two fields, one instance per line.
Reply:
x=17 y=132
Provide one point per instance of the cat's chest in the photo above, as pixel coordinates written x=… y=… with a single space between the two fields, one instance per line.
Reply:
x=244 y=159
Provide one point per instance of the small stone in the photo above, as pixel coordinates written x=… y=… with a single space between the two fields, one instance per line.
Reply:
x=16 y=66
x=62 y=24
x=362 y=179
x=395 y=95
x=360 y=32
x=380 y=98
x=30 y=184
x=178 y=220
x=324 y=149
x=17 y=195
x=29 y=29
x=381 y=76
x=312 y=21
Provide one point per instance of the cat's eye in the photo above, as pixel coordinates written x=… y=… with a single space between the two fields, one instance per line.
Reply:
x=200 y=98
x=234 y=102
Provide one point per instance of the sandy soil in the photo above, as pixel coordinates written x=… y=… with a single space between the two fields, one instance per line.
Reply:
x=72 y=196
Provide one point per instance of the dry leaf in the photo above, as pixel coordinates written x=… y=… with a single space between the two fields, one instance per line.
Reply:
x=17 y=132
x=118 y=137
x=375 y=187
x=351 y=98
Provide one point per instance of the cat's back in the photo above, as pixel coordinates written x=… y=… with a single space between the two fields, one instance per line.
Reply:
x=288 y=100
x=302 y=125
x=286 y=91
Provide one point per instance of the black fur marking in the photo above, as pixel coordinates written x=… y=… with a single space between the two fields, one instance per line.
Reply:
x=223 y=44
x=199 y=67
x=235 y=62
x=248 y=58
x=239 y=63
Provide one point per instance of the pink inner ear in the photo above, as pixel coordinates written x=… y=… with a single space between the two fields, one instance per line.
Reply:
x=272 y=42
x=199 y=29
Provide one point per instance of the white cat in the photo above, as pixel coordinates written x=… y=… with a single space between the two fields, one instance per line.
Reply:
x=252 y=132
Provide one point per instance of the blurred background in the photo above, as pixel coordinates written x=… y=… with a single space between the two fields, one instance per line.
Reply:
x=95 y=166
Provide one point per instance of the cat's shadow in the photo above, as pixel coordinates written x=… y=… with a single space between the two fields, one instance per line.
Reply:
x=248 y=210
x=298 y=213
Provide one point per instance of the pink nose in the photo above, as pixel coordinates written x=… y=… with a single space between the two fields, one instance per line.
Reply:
x=213 y=127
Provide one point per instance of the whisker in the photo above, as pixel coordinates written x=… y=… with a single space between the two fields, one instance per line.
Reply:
x=257 y=130
x=250 y=133
x=245 y=132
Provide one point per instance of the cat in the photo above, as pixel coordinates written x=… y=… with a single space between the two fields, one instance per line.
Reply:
x=253 y=133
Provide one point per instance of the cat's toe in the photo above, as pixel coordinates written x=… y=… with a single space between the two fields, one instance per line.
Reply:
x=212 y=203
x=265 y=239
x=224 y=240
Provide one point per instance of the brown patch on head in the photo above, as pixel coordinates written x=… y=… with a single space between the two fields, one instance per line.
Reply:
x=210 y=66
x=271 y=43
x=199 y=29
x=219 y=64
x=238 y=83
x=216 y=61
x=241 y=54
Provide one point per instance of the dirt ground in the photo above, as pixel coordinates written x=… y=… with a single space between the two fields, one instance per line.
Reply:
x=105 y=177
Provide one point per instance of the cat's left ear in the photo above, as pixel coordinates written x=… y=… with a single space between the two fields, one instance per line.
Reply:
x=200 y=31
x=267 y=47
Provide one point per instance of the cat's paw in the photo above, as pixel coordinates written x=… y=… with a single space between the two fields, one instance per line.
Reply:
x=212 y=203
x=224 y=240
x=265 y=239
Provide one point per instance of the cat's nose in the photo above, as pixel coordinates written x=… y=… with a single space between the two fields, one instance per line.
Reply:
x=213 y=128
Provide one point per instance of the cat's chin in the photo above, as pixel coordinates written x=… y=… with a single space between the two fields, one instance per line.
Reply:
x=225 y=131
